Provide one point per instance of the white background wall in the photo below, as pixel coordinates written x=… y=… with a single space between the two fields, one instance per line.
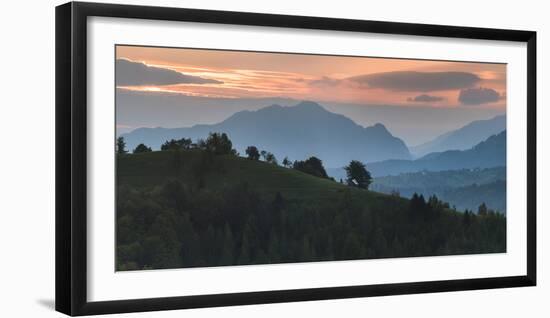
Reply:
x=27 y=160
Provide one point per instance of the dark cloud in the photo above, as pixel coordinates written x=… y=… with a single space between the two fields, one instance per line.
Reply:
x=477 y=96
x=424 y=98
x=417 y=81
x=129 y=73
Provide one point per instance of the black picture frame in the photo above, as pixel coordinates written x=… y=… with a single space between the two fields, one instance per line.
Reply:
x=71 y=157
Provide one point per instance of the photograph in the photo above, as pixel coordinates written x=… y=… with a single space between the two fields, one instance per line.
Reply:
x=228 y=158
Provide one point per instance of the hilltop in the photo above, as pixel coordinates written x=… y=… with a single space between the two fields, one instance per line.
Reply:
x=226 y=171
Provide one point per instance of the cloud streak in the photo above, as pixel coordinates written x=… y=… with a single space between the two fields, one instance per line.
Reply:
x=326 y=81
x=425 y=98
x=129 y=73
x=410 y=81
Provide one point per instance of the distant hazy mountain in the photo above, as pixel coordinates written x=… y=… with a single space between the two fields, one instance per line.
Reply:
x=463 y=138
x=297 y=132
x=464 y=188
x=136 y=109
x=489 y=153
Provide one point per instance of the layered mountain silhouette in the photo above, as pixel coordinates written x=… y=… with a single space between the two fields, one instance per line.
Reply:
x=487 y=154
x=462 y=138
x=297 y=132
x=464 y=188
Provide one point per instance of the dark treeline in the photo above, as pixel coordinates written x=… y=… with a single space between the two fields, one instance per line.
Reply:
x=186 y=221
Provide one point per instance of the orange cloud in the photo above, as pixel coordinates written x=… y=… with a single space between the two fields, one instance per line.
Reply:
x=363 y=80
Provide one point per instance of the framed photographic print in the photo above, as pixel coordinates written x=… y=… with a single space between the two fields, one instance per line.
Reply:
x=208 y=158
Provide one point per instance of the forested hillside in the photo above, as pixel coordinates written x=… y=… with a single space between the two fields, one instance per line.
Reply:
x=195 y=207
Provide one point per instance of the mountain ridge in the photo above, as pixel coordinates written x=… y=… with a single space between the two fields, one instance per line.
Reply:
x=462 y=138
x=297 y=132
x=486 y=154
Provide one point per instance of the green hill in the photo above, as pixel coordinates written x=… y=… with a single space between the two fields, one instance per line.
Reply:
x=192 y=208
x=225 y=171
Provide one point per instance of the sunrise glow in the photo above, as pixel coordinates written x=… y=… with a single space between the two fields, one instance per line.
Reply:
x=358 y=80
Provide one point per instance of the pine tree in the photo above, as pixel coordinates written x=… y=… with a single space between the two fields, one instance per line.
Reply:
x=121 y=146
x=482 y=210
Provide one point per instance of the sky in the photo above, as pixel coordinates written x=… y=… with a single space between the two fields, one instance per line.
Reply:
x=464 y=90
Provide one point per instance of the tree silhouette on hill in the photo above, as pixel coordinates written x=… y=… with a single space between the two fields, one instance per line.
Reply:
x=176 y=144
x=141 y=148
x=252 y=153
x=312 y=166
x=121 y=146
x=358 y=175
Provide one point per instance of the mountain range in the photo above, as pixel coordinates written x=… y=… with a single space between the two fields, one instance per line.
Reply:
x=297 y=132
x=486 y=154
x=462 y=138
